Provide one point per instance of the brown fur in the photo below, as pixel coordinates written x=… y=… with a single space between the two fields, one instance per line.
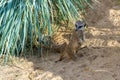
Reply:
x=69 y=50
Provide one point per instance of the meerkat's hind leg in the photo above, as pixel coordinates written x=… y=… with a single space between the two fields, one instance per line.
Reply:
x=68 y=56
x=61 y=58
x=71 y=56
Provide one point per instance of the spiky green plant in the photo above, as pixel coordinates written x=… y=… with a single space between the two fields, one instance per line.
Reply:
x=20 y=19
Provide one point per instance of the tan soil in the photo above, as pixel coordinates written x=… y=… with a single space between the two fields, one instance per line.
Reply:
x=100 y=61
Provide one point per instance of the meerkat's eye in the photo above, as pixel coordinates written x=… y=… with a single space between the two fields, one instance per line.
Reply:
x=80 y=27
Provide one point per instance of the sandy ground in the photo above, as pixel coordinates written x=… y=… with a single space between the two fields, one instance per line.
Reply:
x=99 y=61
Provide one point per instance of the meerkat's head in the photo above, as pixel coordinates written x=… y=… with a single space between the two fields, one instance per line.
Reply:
x=80 y=25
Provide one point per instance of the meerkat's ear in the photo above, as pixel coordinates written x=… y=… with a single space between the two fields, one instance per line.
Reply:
x=86 y=26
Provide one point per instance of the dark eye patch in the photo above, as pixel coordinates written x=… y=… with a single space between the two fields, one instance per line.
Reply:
x=80 y=27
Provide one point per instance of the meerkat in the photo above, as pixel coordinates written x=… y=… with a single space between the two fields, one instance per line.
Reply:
x=76 y=39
